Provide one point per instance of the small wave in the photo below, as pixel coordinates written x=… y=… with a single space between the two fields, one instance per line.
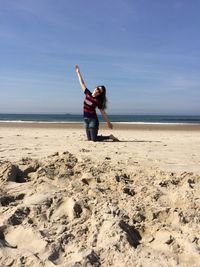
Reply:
x=116 y=122
x=158 y=123
x=47 y=122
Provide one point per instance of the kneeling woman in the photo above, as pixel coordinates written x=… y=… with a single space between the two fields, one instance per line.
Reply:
x=93 y=100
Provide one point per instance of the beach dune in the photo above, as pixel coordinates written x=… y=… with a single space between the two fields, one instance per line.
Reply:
x=65 y=201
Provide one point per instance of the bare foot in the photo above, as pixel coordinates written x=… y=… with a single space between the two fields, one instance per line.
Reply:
x=115 y=139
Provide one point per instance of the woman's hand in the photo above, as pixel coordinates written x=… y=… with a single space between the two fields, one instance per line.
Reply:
x=77 y=69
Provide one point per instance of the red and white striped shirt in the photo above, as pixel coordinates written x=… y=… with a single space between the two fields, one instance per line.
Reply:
x=90 y=104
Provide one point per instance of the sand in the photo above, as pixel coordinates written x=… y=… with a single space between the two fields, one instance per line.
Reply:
x=65 y=201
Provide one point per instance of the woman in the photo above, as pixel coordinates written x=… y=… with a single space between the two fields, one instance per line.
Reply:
x=93 y=100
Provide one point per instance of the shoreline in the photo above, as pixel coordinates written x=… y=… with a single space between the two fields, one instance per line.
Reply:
x=117 y=126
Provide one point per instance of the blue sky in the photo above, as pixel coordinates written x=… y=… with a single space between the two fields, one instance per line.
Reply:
x=146 y=52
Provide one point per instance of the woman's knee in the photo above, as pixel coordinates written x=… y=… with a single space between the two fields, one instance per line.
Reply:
x=88 y=134
x=93 y=134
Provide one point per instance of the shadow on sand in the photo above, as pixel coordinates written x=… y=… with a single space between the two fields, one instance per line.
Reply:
x=137 y=141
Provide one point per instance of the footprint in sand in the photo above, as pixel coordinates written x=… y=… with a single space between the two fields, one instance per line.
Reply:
x=3 y=242
x=19 y=215
x=6 y=200
x=84 y=150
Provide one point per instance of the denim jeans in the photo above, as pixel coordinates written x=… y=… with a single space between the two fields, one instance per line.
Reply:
x=91 y=123
x=92 y=127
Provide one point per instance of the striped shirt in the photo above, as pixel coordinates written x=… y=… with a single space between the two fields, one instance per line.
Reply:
x=89 y=105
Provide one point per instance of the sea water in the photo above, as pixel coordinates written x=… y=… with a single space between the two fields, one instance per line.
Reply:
x=73 y=118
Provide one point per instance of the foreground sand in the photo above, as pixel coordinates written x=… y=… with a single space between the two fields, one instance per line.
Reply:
x=68 y=202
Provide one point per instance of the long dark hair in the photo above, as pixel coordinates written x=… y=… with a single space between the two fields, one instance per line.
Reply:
x=102 y=97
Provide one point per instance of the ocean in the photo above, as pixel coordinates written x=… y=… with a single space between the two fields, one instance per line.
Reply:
x=130 y=119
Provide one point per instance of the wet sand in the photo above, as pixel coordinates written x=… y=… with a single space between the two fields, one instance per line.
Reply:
x=117 y=126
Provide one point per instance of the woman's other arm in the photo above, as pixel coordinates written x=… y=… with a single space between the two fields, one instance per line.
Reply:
x=81 y=81
x=105 y=116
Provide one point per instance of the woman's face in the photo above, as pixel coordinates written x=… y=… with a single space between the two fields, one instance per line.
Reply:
x=97 y=91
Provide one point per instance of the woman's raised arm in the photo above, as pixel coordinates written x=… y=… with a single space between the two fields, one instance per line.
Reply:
x=81 y=81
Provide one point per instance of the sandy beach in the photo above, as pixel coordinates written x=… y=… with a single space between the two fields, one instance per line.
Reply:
x=65 y=201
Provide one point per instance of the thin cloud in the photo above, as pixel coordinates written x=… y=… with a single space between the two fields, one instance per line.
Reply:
x=183 y=83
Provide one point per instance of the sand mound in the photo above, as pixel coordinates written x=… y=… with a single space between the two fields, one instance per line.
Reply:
x=61 y=211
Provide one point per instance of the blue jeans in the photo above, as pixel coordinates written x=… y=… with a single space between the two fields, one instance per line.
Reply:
x=92 y=127
x=91 y=123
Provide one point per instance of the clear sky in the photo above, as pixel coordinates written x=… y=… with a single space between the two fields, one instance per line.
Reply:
x=146 y=52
